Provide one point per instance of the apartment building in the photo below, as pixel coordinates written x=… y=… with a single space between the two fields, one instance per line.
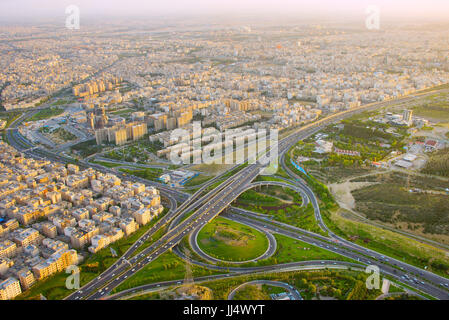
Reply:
x=7 y=249
x=27 y=237
x=57 y=262
x=9 y=289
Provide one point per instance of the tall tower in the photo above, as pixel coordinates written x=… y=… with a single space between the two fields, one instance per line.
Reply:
x=91 y=119
x=407 y=116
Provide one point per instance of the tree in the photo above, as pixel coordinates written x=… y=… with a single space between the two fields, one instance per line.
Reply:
x=312 y=288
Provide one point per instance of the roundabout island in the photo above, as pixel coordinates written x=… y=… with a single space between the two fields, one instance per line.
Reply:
x=225 y=240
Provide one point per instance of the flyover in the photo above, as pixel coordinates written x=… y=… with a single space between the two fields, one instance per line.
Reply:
x=219 y=201
x=216 y=202
x=292 y=290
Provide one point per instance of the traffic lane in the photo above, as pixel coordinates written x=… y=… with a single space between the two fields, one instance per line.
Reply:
x=159 y=244
x=132 y=249
x=103 y=275
x=427 y=287
x=176 y=239
x=292 y=266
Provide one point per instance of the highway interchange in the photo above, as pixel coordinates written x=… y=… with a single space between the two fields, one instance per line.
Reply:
x=271 y=249
x=208 y=206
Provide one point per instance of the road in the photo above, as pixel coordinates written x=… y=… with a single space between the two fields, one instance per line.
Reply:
x=287 y=267
x=294 y=293
x=218 y=201
x=221 y=197
x=403 y=273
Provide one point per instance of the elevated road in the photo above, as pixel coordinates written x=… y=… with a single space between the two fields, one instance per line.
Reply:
x=217 y=201
x=292 y=290
x=287 y=267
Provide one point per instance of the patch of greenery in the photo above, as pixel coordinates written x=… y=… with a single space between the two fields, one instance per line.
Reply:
x=384 y=241
x=139 y=151
x=199 y=179
x=86 y=148
x=434 y=106
x=291 y=250
x=148 y=174
x=251 y=292
x=339 y=285
x=166 y=267
x=107 y=164
x=438 y=163
x=47 y=113
x=394 y=203
x=394 y=245
x=231 y=241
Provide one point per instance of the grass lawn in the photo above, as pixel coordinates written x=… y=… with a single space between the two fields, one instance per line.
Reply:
x=394 y=245
x=199 y=179
x=166 y=267
x=107 y=164
x=292 y=214
x=231 y=241
x=304 y=218
x=149 y=174
x=291 y=250
x=211 y=169
x=252 y=292
x=47 y=113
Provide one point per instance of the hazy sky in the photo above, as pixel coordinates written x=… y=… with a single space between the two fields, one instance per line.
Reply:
x=54 y=8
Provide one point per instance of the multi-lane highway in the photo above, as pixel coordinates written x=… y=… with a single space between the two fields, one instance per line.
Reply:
x=216 y=202
x=293 y=266
x=213 y=203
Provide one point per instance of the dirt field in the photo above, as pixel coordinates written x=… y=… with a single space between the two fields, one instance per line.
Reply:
x=342 y=192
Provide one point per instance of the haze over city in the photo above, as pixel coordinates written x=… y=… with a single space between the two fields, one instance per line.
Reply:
x=224 y=150
x=396 y=9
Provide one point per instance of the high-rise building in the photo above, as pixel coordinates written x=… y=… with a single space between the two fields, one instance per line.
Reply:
x=120 y=136
x=407 y=116
x=91 y=120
